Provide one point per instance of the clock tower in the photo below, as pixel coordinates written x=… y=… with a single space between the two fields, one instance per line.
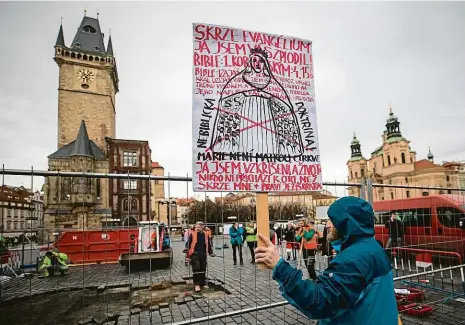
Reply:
x=88 y=83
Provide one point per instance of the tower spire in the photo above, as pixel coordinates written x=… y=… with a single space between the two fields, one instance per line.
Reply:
x=355 y=148
x=392 y=125
x=110 y=46
x=430 y=155
x=60 y=38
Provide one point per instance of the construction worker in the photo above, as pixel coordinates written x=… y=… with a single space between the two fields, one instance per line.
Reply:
x=153 y=240
x=54 y=262
x=251 y=239
x=307 y=236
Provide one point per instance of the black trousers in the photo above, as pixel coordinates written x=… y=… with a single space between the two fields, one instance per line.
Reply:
x=199 y=267
x=239 y=248
x=309 y=258
x=252 y=245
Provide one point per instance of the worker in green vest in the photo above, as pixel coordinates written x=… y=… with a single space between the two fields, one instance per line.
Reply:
x=53 y=263
x=251 y=238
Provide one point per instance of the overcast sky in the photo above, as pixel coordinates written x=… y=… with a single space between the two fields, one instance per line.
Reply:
x=365 y=56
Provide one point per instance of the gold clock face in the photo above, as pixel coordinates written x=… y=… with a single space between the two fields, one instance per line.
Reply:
x=85 y=75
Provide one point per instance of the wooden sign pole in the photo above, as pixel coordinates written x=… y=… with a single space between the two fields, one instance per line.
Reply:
x=263 y=221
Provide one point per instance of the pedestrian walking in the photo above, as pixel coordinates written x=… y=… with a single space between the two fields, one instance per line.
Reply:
x=307 y=236
x=279 y=234
x=357 y=287
x=187 y=234
x=199 y=247
x=273 y=237
x=396 y=231
x=326 y=248
x=235 y=234
x=289 y=237
x=251 y=239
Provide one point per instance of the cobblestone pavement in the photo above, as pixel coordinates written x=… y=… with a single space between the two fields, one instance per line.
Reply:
x=244 y=287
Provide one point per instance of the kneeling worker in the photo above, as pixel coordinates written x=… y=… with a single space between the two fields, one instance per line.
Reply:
x=54 y=262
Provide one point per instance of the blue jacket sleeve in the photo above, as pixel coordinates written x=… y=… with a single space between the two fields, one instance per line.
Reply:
x=338 y=288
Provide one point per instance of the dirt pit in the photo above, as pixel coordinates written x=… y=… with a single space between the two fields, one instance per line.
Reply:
x=70 y=307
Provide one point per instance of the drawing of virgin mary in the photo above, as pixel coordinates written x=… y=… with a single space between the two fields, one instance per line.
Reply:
x=255 y=113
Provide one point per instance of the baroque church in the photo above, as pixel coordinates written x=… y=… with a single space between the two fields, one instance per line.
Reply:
x=394 y=162
x=88 y=84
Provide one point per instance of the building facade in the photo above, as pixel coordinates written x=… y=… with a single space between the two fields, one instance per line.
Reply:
x=395 y=163
x=20 y=211
x=87 y=88
x=129 y=198
x=88 y=83
x=183 y=207
x=77 y=202
x=159 y=204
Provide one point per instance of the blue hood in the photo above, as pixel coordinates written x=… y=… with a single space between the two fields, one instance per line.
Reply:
x=353 y=219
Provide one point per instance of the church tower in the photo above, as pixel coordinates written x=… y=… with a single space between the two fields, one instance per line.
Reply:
x=392 y=126
x=88 y=83
x=357 y=166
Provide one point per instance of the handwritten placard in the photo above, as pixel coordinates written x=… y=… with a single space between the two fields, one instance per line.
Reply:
x=254 y=114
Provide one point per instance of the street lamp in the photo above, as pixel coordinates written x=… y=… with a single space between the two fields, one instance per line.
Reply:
x=252 y=206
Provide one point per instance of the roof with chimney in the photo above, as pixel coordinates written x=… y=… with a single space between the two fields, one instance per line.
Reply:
x=81 y=147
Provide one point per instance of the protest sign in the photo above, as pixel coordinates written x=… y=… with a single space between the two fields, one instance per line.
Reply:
x=254 y=114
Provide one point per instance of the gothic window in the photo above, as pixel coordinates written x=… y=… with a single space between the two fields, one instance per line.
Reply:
x=407 y=193
x=389 y=160
x=82 y=185
x=362 y=172
x=99 y=189
x=65 y=188
x=447 y=178
x=134 y=205
x=402 y=157
x=125 y=205
x=89 y=29
x=129 y=159
x=392 y=195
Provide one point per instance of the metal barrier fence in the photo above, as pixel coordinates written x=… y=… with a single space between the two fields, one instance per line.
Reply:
x=427 y=255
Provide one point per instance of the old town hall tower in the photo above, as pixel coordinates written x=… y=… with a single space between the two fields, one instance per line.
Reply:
x=88 y=83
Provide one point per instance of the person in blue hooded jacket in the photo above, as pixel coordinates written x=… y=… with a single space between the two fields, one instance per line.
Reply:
x=235 y=234
x=357 y=287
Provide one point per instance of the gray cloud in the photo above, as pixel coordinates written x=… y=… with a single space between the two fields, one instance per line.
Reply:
x=366 y=54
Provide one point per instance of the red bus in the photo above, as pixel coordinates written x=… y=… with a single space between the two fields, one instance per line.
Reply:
x=430 y=222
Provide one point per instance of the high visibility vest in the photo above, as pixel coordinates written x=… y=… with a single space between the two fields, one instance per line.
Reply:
x=194 y=242
x=250 y=234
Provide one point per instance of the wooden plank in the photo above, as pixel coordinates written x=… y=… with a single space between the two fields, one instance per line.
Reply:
x=263 y=220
